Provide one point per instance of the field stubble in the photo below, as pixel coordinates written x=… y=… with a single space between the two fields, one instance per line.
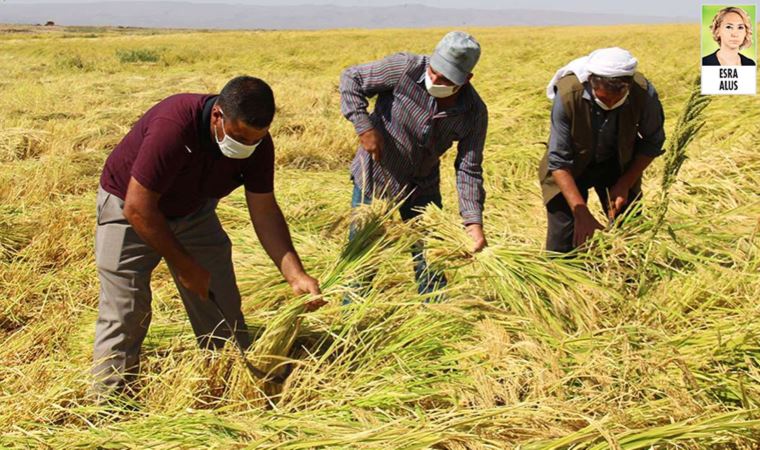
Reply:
x=648 y=338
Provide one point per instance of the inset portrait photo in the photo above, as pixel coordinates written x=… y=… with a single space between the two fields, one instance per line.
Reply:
x=727 y=35
x=729 y=55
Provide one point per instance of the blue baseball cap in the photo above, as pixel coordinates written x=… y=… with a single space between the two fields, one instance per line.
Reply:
x=455 y=56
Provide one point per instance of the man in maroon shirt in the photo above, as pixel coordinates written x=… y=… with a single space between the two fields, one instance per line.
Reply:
x=157 y=199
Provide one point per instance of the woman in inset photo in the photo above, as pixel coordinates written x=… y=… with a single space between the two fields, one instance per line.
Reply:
x=732 y=30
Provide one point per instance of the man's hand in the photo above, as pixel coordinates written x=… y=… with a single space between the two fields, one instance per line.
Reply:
x=372 y=141
x=274 y=235
x=142 y=212
x=196 y=279
x=585 y=225
x=304 y=284
x=475 y=230
x=618 y=199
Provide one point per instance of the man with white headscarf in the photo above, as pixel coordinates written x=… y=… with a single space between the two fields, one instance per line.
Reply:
x=606 y=129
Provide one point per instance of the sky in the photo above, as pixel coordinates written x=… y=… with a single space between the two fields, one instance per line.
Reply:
x=670 y=8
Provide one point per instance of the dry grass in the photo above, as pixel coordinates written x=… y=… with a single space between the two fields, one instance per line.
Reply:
x=649 y=338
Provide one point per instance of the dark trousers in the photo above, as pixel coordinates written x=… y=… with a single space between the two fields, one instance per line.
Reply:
x=561 y=223
x=427 y=281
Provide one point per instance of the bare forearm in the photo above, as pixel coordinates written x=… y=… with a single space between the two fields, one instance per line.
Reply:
x=273 y=233
x=142 y=212
x=152 y=228
x=585 y=225
x=569 y=189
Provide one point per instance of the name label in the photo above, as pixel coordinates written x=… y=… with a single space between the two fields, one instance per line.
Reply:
x=736 y=80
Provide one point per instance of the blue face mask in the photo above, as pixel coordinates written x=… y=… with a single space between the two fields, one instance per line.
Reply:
x=232 y=148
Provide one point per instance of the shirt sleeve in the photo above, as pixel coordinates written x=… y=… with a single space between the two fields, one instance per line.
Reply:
x=258 y=175
x=161 y=155
x=560 y=142
x=651 y=130
x=469 y=171
x=359 y=83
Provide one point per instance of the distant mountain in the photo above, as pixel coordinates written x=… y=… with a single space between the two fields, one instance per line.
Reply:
x=229 y=16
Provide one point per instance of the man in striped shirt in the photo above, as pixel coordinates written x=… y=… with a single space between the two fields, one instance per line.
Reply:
x=423 y=105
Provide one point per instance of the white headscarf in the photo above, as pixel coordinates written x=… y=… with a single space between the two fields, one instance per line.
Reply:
x=605 y=62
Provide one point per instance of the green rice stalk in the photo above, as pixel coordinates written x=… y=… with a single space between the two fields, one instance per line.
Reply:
x=270 y=352
x=690 y=122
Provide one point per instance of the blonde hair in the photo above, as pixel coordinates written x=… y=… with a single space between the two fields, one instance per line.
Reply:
x=718 y=20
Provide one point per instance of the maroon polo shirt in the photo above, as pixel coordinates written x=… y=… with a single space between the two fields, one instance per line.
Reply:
x=170 y=150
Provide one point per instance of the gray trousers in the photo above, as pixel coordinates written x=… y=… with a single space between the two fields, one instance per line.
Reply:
x=125 y=264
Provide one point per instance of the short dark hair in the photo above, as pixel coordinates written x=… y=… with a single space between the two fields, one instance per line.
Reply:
x=613 y=84
x=248 y=99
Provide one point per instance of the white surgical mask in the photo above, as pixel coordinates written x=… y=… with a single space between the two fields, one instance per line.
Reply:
x=610 y=108
x=438 y=90
x=232 y=148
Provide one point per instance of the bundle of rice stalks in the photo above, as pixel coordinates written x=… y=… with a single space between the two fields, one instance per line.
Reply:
x=555 y=291
x=707 y=432
x=627 y=252
x=372 y=234
x=358 y=258
x=270 y=352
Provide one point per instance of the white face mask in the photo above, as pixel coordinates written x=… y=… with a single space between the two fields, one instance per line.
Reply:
x=232 y=148
x=610 y=108
x=438 y=90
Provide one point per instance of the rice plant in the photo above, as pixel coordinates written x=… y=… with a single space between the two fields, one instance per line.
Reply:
x=647 y=338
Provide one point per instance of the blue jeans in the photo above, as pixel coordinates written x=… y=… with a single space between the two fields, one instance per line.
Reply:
x=427 y=281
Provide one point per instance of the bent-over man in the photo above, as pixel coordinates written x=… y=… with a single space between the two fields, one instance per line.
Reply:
x=606 y=129
x=157 y=199
x=424 y=104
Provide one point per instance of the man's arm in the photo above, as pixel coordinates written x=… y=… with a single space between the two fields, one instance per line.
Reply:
x=358 y=84
x=585 y=224
x=141 y=211
x=619 y=191
x=272 y=231
x=648 y=146
x=469 y=172
x=560 y=165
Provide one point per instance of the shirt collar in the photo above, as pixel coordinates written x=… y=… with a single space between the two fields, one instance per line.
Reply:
x=425 y=62
x=206 y=139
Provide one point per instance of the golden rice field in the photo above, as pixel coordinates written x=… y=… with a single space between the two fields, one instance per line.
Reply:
x=650 y=338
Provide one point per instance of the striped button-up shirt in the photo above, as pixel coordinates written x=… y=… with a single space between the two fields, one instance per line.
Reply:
x=415 y=131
